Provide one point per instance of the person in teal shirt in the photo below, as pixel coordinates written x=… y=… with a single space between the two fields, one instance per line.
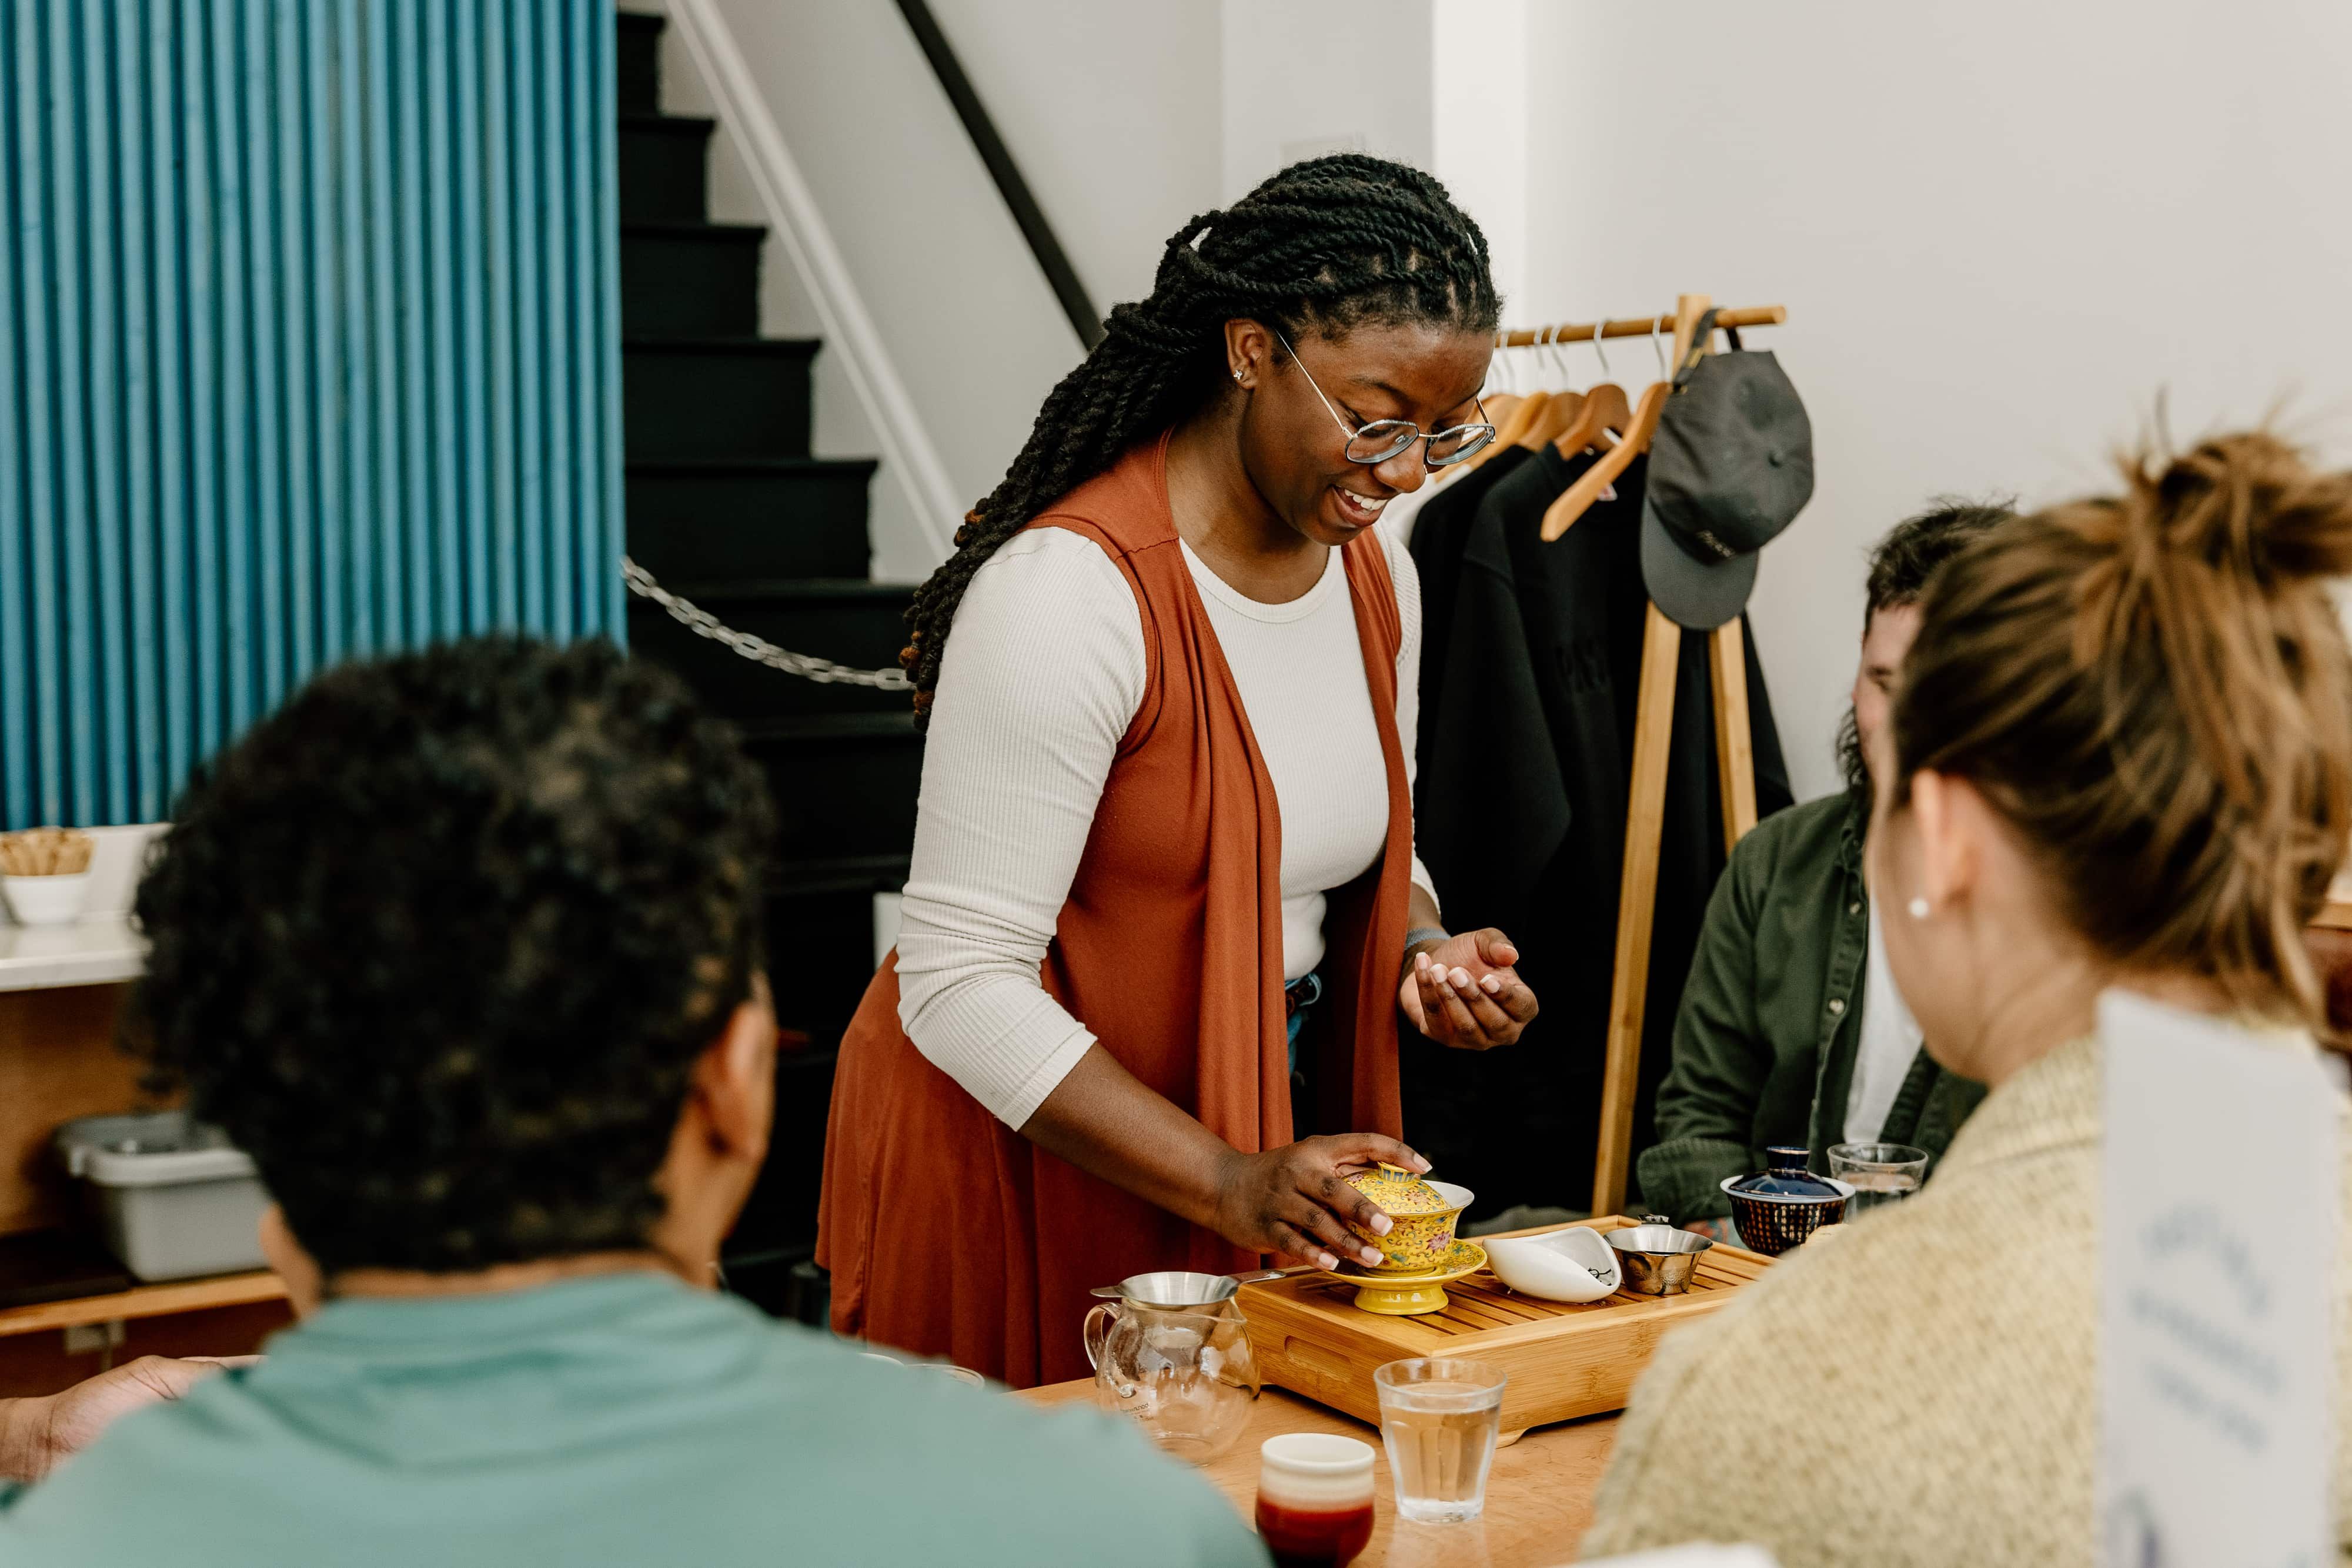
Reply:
x=464 y=948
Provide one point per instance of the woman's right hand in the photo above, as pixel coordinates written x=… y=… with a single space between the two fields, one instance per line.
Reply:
x=1295 y=1199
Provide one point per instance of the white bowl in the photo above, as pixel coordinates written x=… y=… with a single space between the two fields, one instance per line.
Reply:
x=45 y=900
x=1557 y=1265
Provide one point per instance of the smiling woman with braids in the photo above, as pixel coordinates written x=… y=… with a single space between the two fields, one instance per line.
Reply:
x=1164 y=912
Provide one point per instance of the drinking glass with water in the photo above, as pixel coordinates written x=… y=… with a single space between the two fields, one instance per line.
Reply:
x=1439 y=1419
x=1880 y=1173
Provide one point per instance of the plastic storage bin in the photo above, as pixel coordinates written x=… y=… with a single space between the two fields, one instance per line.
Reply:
x=172 y=1198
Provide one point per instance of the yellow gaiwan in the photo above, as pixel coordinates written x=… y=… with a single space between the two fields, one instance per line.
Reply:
x=1422 y=1213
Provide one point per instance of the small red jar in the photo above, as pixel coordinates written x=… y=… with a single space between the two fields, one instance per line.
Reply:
x=1315 y=1498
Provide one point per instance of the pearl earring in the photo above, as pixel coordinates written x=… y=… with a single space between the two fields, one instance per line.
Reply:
x=1919 y=909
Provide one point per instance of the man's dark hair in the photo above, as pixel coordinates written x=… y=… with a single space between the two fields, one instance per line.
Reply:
x=1900 y=567
x=1907 y=556
x=1324 y=245
x=439 y=942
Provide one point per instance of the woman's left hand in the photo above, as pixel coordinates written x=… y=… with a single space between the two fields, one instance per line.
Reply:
x=1464 y=992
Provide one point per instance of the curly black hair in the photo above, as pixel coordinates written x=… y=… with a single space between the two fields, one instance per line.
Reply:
x=1323 y=246
x=1901 y=562
x=439 y=942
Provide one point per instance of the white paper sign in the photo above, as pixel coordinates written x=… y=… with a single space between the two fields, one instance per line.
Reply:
x=2218 y=1249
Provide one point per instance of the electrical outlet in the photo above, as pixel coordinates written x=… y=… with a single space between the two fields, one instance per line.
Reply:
x=88 y=1339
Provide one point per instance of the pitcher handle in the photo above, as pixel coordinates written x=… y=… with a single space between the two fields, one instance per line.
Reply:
x=1251 y=1385
x=1095 y=1339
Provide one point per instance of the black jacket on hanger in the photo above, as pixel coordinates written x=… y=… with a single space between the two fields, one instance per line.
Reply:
x=1438 y=531
x=1520 y=817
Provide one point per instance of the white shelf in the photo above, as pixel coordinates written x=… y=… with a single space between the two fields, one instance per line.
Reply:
x=90 y=952
x=100 y=948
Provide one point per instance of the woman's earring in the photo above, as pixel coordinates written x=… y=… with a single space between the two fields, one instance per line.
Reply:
x=1919 y=909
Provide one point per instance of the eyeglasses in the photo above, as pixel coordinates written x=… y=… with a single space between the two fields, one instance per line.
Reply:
x=1383 y=438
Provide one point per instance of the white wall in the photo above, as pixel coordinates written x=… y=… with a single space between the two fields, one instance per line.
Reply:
x=2001 y=231
x=1111 y=107
x=1303 y=78
x=1480 y=84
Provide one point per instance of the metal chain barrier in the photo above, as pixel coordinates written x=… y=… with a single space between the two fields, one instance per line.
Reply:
x=759 y=650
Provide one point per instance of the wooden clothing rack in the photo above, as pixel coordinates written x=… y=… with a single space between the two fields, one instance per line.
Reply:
x=1638 y=326
x=1653 y=728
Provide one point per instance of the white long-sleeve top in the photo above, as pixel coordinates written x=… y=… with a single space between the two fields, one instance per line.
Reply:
x=1043 y=675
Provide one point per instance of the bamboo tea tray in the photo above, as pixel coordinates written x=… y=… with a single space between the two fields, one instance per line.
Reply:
x=1564 y=1359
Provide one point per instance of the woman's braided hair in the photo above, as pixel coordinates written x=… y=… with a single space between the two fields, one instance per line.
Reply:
x=1326 y=244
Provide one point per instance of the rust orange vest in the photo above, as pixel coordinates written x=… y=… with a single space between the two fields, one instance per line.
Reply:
x=950 y=1234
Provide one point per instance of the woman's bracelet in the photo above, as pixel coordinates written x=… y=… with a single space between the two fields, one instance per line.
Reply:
x=1420 y=934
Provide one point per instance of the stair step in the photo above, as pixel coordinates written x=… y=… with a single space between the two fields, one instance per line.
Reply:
x=822 y=729
x=858 y=623
x=637 y=62
x=780 y=1214
x=845 y=784
x=820 y=936
x=825 y=945
x=861 y=875
x=788 y=516
x=820 y=959
x=726 y=506
x=715 y=398
x=663 y=166
x=690 y=279
x=783 y=1283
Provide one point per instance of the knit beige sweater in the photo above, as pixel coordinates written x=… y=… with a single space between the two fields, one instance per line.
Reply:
x=1921 y=1391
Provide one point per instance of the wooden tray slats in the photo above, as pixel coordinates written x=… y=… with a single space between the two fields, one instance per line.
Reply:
x=1564 y=1359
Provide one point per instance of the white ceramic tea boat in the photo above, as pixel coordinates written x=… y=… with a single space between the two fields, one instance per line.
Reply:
x=1570 y=1265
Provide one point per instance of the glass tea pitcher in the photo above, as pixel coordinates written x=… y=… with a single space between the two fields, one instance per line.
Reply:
x=1185 y=1376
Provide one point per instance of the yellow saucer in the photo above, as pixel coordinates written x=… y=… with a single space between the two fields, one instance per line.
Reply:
x=1410 y=1295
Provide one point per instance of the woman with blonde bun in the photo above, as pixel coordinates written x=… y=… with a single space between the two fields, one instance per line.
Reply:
x=2120 y=755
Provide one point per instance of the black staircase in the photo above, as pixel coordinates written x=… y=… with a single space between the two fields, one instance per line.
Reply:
x=728 y=509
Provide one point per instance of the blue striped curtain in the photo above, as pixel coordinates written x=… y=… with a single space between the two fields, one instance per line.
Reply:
x=309 y=349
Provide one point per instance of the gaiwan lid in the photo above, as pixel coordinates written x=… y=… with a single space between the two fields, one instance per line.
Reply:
x=1788 y=1179
x=1398 y=1191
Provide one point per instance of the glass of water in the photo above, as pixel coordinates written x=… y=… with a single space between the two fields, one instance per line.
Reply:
x=1439 y=1419
x=1880 y=1173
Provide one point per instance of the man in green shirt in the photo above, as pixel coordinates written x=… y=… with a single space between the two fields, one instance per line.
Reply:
x=464 y=948
x=1791 y=1031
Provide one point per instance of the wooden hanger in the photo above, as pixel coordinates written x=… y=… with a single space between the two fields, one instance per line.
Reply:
x=1513 y=427
x=1605 y=404
x=1564 y=410
x=1578 y=498
x=1512 y=419
x=1605 y=408
x=1501 y=408
x=1558 y=412
x=1605 y=417
x=1640 y=421
x=1629 y=429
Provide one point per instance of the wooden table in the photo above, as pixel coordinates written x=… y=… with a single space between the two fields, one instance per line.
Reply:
x=1538 y=1496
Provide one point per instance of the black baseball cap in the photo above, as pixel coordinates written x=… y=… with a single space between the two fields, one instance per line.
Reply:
x=1731 y=464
